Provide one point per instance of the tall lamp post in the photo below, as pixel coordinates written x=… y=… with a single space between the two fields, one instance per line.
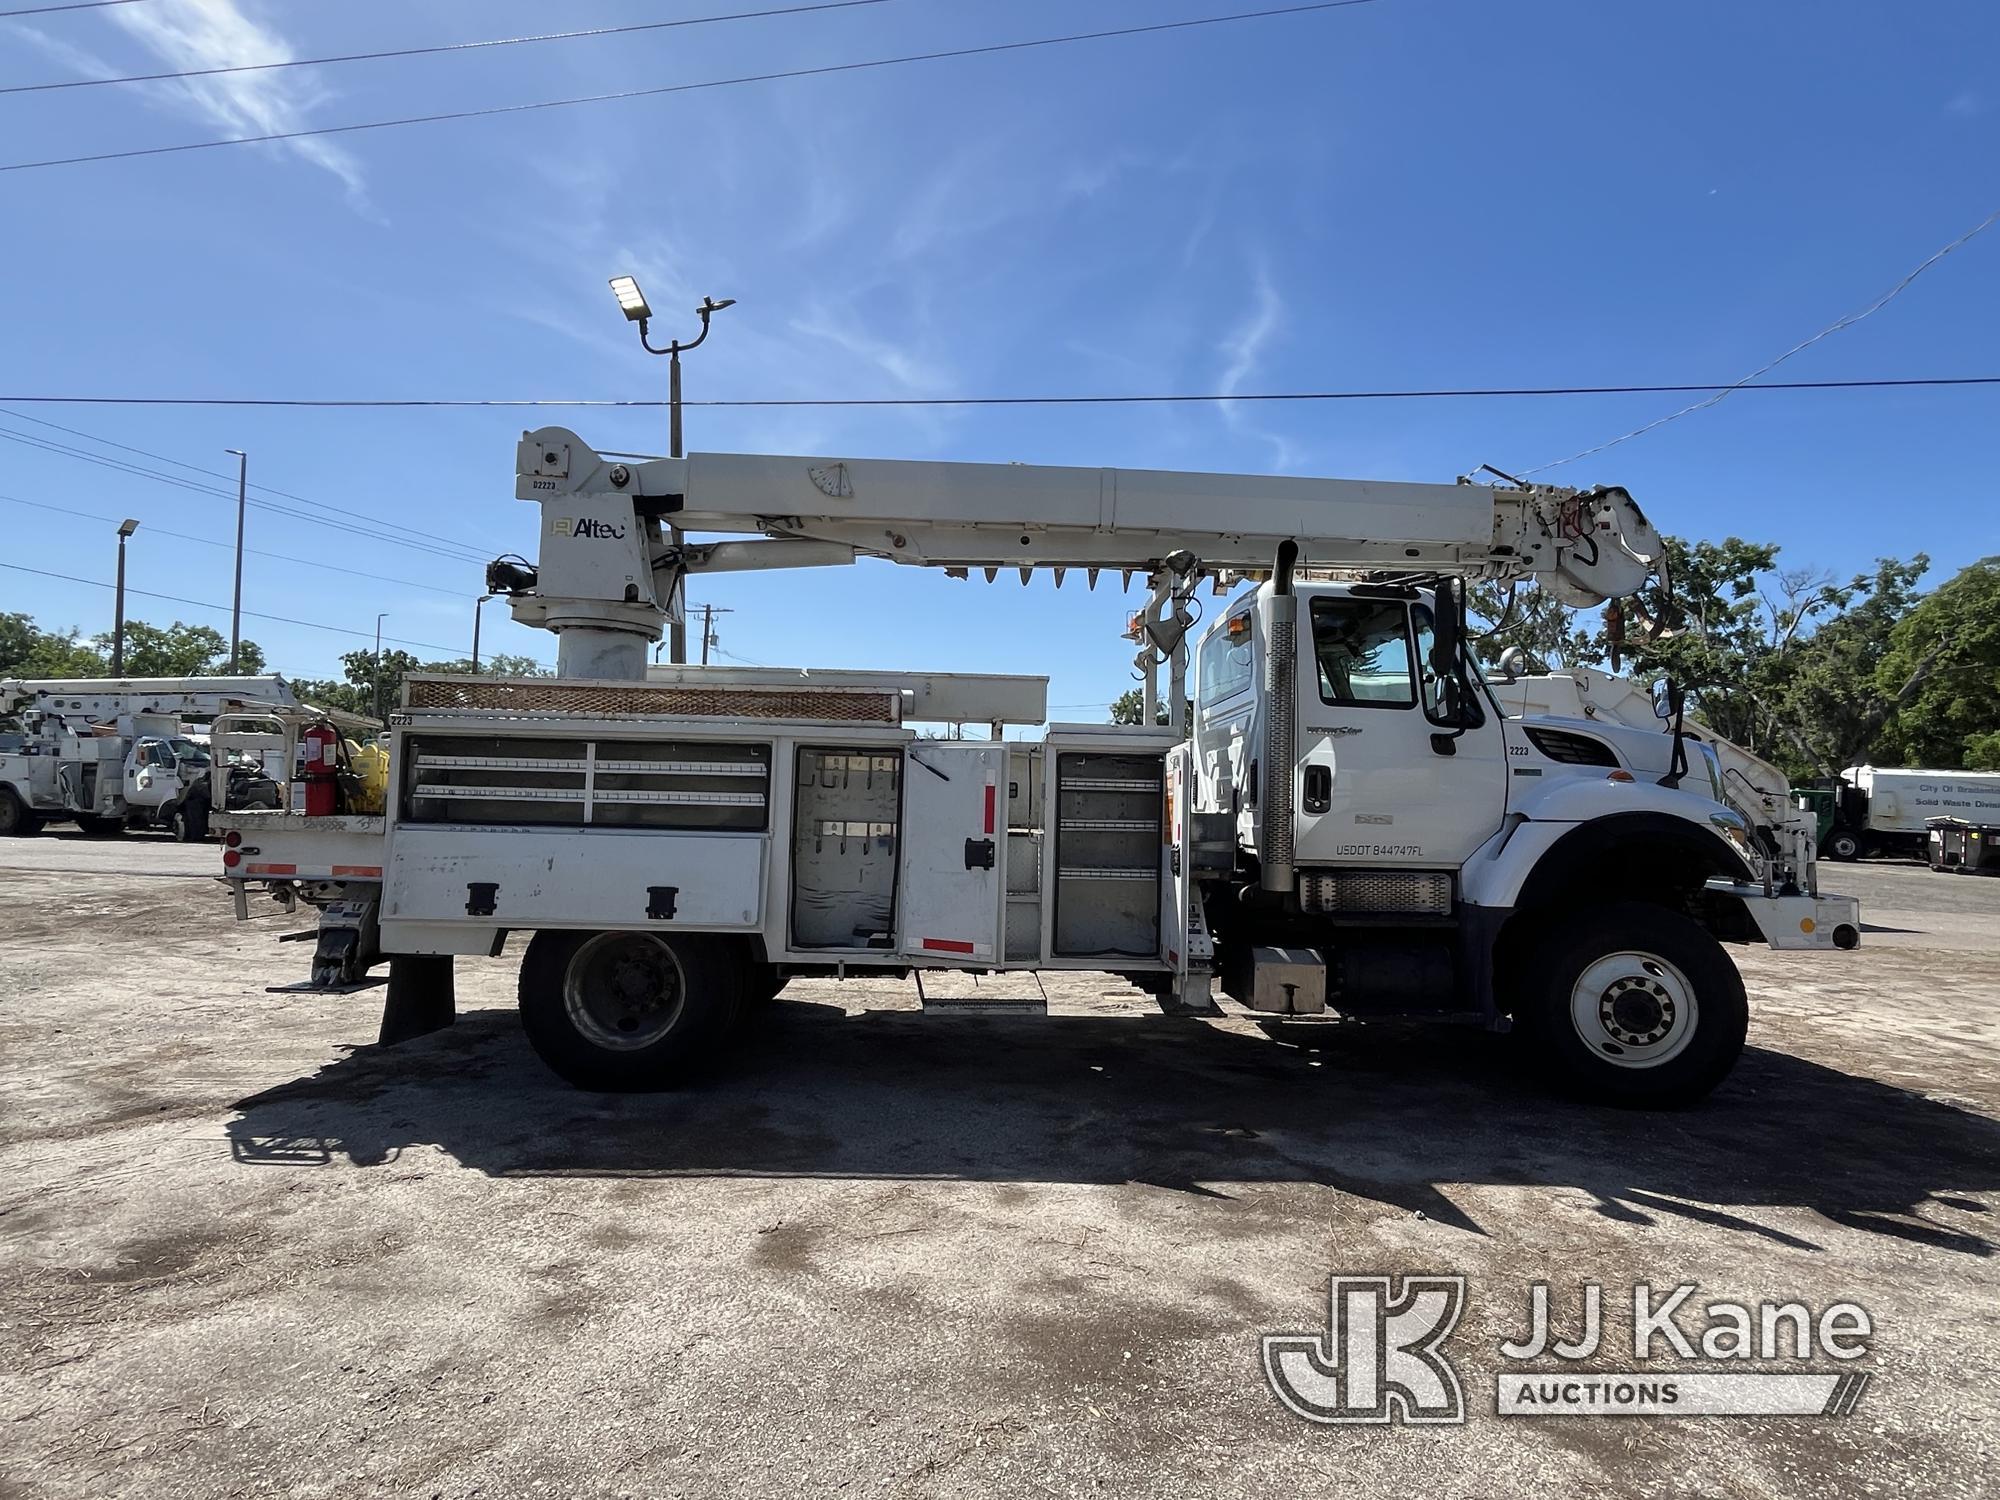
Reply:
x=477 y=605
x=378 y=663
x=125 y=529
x=633 y=302
x=236 y=599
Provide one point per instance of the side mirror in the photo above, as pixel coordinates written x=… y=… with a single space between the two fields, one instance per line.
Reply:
x=1444 y=636
x=1513 y=664
x=1666 y=699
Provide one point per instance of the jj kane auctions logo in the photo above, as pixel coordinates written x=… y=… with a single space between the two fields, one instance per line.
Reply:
x=1381 y=1358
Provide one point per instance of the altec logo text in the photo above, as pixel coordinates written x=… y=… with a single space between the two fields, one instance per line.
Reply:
x=1382 y=1357
x=584 y=528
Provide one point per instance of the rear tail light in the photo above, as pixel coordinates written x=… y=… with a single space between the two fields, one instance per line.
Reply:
x=231 y=859
x=231 y=839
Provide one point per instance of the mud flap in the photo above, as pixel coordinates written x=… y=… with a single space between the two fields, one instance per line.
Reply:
x=421 y=999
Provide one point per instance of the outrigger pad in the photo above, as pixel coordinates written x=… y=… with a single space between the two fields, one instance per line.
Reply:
x=421 y=999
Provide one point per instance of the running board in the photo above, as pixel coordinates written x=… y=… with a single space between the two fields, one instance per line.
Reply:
x=989 y=995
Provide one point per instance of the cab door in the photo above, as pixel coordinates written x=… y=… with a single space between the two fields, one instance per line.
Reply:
x=949 y=891
x=1382 y=781
x=152 y=775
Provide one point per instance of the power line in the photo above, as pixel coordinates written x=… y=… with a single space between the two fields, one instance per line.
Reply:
x=430 y=540
x=366 y=635
x=1832 y=328
x=448 y=47
x=685 y=88
x=1215 y=398
x=440 y=548
x=208 y=541
x=43 y=10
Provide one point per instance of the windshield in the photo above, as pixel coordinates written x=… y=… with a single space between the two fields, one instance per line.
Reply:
x=187 y=752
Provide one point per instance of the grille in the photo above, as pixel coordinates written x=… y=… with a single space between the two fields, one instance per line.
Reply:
x=622 y=700
x=1572 y=749
x=1413 y=893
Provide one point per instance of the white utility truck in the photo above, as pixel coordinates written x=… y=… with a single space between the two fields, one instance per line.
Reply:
x=1350 y=826
x=109 y=753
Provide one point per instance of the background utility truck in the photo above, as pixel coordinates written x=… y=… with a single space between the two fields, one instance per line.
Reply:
x=108 y=753
x=1354 y=827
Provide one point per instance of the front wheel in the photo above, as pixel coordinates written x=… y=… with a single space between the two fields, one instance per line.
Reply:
x=1843 y=845
x=16 y=818
x=624 y=1011
x=1633 y=1005
x=189 y=822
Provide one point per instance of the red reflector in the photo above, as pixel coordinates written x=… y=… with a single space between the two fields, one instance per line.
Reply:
x=232 y=838
x=231 y=859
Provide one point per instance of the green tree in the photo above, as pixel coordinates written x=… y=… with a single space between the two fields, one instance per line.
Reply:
x=28 y=651
x=1832 y=702
x=1942 y=671
x=1529 y=616
x=180 y=650
x=1129 y=707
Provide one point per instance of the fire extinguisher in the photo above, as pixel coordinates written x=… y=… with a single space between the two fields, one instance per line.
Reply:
x=321 y=743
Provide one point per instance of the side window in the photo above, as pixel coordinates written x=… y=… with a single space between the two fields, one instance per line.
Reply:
x=1434 y=686
x=1225 y=660
x=1362 y=649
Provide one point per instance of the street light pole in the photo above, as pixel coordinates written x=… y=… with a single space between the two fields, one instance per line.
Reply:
x=633 y=301
x=477 y=605
x=378 y=663
x=125 y=529
x=236 y=599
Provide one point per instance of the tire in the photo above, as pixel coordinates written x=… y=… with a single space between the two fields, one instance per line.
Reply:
x=17 y=820
x=100 y=828
x=1842 y=845
x=189 y=822
x=621 y=1012
x=1632 y=1005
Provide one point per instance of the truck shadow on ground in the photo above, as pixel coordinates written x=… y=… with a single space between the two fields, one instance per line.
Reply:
x=1383 y=1112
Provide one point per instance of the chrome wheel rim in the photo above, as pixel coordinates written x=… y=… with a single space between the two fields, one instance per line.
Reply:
x=624 y=990
x=1634 y=1010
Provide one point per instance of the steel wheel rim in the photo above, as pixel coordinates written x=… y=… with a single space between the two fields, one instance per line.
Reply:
x=1634 y=1010
x=624 y=990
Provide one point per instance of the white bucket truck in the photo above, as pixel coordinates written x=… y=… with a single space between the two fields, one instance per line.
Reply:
x=1350 y=826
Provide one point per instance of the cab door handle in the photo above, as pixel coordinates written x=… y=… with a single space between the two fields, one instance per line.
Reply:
x=1317 y=796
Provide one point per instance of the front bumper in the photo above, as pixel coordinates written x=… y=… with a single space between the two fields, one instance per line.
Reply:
x=1795 y=922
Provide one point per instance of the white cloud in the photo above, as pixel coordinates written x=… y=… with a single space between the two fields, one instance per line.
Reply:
x=189 y=34
x=1243 y=350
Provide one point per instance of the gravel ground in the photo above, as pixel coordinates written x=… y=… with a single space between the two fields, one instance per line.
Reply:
x=241 y=1252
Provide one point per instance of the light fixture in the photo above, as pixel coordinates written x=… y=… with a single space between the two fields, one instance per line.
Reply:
x=631 y=299
x=126 y=528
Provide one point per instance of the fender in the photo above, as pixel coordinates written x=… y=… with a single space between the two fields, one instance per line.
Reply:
x=1573 y=824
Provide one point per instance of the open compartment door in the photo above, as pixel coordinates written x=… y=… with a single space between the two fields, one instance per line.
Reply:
x=954 y=844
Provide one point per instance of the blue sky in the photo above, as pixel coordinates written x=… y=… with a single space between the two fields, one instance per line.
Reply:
x=1402 y=194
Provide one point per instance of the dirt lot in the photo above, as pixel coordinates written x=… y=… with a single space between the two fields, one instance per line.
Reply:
x=241 y=1252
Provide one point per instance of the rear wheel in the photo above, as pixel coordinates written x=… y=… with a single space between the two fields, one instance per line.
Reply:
x=1634 y=1005
x=1842 y=845
x=625 y=1011
x=16 y=818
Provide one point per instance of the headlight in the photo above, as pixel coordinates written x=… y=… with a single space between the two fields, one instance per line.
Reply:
x=1736 y=831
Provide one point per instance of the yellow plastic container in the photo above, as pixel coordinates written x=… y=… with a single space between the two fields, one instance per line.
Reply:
x=371 y=768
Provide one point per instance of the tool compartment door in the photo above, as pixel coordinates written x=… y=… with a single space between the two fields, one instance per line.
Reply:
x=954 y=845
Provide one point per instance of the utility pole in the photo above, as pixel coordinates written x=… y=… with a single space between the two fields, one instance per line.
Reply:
x=633 y=301
x=236 y=599
x=125 y=529
x=708 y=614
x=378 y=663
